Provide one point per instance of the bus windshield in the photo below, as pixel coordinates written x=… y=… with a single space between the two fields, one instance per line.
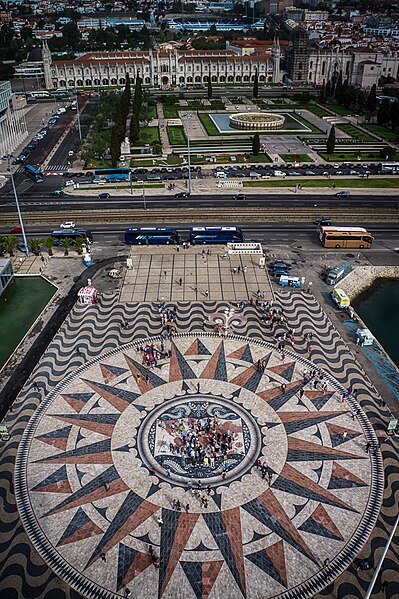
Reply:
x=346 y=237
x=111 y=174
x=72 y=234
x=33 y=173
x=215 y=235
x=151 y=236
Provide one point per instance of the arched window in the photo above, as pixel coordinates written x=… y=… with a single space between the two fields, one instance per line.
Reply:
x=122 y=81
x=206 y=78
x=105 y=82
x=222 y=79
x=71 y=83
x=79 y=83
x=198 y=79
x=181 y=79
x=97 y=82
x=261 y=78
x=230 y=79
x=238 y=78
x=189 y=79
x=88 y=82
x=62 y=83
x=270 y=79
x=246 y=78
x=214 y=78
x=147 y=80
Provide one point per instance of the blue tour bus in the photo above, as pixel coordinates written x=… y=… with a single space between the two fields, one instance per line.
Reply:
x=111 y=174
x=59 y=234
x=33 y=173
x=215 y=235
x=152 y=236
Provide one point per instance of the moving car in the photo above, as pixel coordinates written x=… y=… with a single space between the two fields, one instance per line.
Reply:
x=69 y=183
x=323 y=222
x=104 y=195
x=182 y=195
x=69 y=224
x=57 y=193
x=343 y=194
x=239 y=196
x=16 y=229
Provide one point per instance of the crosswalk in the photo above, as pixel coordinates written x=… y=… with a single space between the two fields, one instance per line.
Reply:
x=57 y=167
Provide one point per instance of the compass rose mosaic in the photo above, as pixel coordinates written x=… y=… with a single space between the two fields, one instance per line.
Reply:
x=222 y=471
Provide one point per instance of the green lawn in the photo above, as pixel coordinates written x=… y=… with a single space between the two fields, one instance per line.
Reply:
x=148 y=135
x=355 y=132
x=208 y=123
x=176 y=136
x=318 y=110
x=383 y=132
x=217 y=104
x=391 y=183
x=339 y=109
x=296 y=157
x=170 y=112
x=352 y=156
x=195 y=105
x=92 y=163
x=313 y=128
x=126 y=186
x=152 y=112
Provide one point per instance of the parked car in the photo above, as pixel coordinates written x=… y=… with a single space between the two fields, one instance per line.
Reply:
x=278 y=272
x=16 y=229
x=343 y=194
x=182 y=195
x=104 y=195
x=69 y=224
x=69 y=183
x=280 y=264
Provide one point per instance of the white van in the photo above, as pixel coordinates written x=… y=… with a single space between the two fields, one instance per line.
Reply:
x=280 y=174
x=220 y=175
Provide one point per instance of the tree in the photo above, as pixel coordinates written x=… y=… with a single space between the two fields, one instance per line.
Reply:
x=371 y=102
x=35 y=244
x=394 y=115
x=80 y=242
x=209 y=88
x=256 y=144
x=331 y=141
x=10 y=241
x=328 y=89
x=384 y=112
x=387 y=153
x=255 y=91
x=48 y=243
x=66 y=244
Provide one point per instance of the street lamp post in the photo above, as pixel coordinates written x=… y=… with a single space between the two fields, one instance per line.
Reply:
x=187 y=116
x=78 y=114
x=17 y=204
x=144 y=199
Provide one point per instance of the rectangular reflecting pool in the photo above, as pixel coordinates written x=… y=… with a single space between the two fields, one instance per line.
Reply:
x=291 y=124
x=20 y=305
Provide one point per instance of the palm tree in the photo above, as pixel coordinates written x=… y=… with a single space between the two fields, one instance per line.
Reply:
x=80 y=242
x=48 y=243
x=35 y=244
x=10 y=242
x=66 y=243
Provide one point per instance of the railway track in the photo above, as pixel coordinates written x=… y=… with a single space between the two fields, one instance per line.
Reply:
x=190 y=215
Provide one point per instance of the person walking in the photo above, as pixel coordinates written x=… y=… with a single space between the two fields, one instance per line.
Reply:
x=160 y=521
x=180 y=281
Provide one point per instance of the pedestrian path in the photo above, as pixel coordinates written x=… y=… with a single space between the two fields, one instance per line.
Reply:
x=119 y=384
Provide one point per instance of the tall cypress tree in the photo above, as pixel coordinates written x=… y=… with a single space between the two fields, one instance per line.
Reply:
x=209 y=88
x=256 y=144
x=255 y=91
x=331 y=141
x=371 y=103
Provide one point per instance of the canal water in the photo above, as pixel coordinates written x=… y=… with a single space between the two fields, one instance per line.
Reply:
x=20 y=305
x=379 y=309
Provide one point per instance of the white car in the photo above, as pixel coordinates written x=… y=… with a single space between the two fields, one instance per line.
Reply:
x=69 y=183
x=69 y=224
x=70 y=153
x=61 y=110
x=280 y=174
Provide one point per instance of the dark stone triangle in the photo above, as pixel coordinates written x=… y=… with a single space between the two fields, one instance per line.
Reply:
x=236 y=393
x=154 y=379
x=92 y=449
x=215 y=523
x=338 y=439
x=343 y=483
x=288 y=372
x=115 y=370
x=102 y=511
x=78 y=521
x=77 y=401
x=124 y=448
x=185 y=369
x=201 y=547
x=95 y=484
x=193 y=571
x=247 y=355
x=320 y=402
x=152 y=490
x=202 y=350
x=253 y=382
x=55 y=479
x=217 y=498
x=221 y=370
x=127 y=508
x=109 y=393
x=282 y=399
x=314 y=418
x=60 y=433
x=80 y=474
x=170 y=521
x=185 y=387
x=310 y=525
x=263 y=561
x=289 y=486
x=272 y=424
x=256 y=537
x=126 y=557
x=145 y=538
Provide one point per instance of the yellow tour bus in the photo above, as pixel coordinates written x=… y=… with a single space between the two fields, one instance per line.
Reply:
x=345 y=237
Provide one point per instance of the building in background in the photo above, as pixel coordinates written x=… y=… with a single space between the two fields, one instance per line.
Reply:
x=6 y=273
x=13 y=128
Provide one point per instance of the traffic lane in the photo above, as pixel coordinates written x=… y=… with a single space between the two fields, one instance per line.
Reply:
x=61 y=155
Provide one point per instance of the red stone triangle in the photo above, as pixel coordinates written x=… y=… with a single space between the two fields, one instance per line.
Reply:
x=296 y=416
x=301 y=445
x=232 y=522
x=269 y=394
x=62 y=486
x=314 y=394
x=273 y=506
x=238 y=352
x=185 y=527
x=108 y=376
x=138 y=565
x=244 y=376
x=117 y=402
x=277 y=557
x=339 y=471
x=86 y=531
x=210 y=572
x=334 y=429
x=193 y=349
x=280 y=367
x=75 y=404
x=98 y=427
x=210 y=368
x=321 y=516
x=58 y=442
x=142 y=384
x=291 y=473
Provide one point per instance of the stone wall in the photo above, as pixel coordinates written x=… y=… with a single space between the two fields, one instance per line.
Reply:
x=363 y=277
